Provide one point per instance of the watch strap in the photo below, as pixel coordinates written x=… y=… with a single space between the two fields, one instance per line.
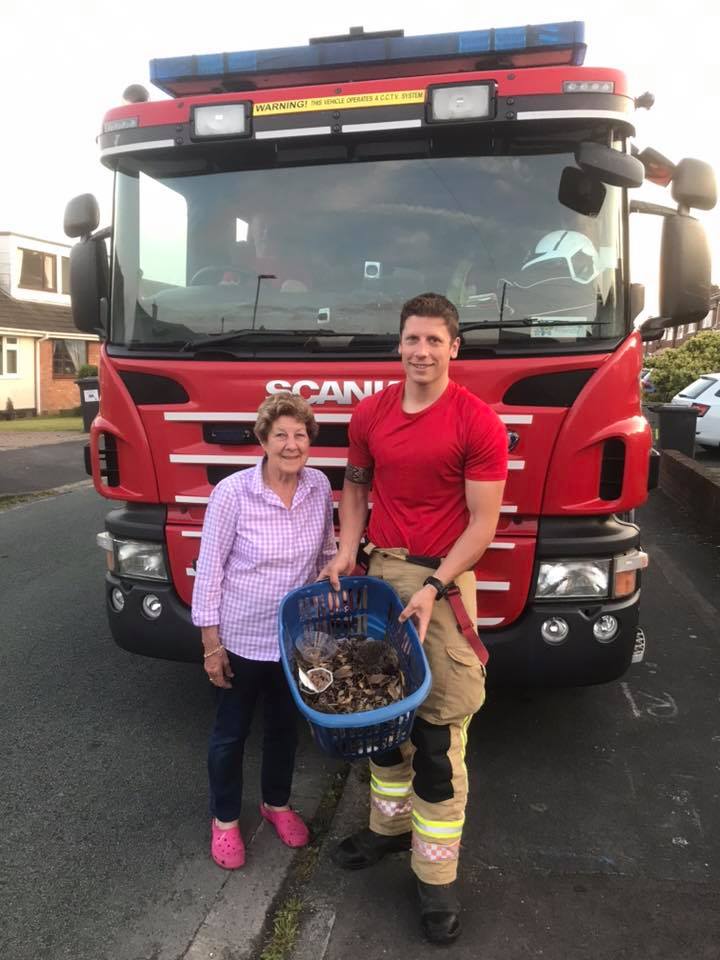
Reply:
x=439 y=586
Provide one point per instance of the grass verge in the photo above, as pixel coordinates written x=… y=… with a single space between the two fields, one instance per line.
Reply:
x=283 y=927
x=13 y=500
x=41 y=424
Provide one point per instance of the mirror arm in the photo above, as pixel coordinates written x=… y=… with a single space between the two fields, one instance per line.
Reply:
x=104 y=233
x=654 y=209
x=653 y=328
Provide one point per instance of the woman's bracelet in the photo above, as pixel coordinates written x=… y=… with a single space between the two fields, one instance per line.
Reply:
x=214 y=651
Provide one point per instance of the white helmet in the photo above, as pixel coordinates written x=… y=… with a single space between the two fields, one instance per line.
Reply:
x=563 y=255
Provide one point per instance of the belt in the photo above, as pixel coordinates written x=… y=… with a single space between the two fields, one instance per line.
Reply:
x=453 y=596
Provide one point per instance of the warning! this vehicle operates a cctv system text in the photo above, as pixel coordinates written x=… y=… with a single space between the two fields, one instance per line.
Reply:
x=270 y=219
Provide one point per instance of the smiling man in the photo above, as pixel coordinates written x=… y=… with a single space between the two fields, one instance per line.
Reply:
x=436 y=457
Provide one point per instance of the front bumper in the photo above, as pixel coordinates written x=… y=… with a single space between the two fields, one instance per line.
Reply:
x=171 y=637
x=520 y=657
x=518 y=654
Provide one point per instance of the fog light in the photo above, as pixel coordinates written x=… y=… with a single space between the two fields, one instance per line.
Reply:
x=117 y=599
x=151 y=606
x=605 y=629
x=555 y=630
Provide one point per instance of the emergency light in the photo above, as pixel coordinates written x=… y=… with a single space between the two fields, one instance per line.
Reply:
x=549 y=44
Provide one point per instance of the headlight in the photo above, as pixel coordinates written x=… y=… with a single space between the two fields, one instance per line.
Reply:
x=572 y=579
x=134 y=558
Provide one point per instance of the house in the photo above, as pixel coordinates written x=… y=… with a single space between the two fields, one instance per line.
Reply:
x=677 y=336
x=41 y=351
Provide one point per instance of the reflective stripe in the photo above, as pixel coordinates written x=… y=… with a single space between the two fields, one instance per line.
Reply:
x=390 y=788
x=435 y=852
x=438 y=829
x=392 y=808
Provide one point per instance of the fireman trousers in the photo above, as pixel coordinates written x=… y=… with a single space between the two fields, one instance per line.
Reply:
x=422 y=786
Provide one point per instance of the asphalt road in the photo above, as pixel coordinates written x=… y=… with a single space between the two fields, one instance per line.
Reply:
x=592 y=828
x=592 y=825
x=103 y=796
x=42 y=467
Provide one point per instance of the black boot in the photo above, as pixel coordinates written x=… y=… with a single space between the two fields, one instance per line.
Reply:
x=439 y=911
x=364 y=848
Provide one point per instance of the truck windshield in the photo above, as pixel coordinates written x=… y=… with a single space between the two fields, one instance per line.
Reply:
x=334 y=250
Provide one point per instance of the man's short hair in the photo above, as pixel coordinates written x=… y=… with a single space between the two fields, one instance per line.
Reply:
x=432 y=305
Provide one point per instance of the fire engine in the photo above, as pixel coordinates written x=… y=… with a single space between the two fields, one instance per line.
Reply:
x=271 y=215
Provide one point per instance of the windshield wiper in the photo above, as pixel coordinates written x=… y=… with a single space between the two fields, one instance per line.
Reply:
x=257 y=334
x=307 y=336
x=525 y=322
x=155 y=344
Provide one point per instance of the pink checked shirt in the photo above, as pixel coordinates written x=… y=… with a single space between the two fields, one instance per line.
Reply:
x=253 y=551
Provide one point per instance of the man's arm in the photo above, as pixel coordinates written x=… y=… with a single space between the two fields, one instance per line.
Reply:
x=483 y=498
x=353 y=518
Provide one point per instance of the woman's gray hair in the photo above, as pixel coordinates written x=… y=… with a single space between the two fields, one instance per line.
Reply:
x=284 y=405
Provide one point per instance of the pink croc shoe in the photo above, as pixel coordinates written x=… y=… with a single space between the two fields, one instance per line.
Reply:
x=288 y=826
x=227 y=848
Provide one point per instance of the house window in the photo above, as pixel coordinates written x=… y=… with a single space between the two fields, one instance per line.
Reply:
x=68 y=357
x=38 y=270
x=8 y=356
x=65 y=275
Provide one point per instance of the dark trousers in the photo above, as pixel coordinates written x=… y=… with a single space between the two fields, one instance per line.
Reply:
x=232 y=726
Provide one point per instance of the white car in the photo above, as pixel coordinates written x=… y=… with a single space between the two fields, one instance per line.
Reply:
x=704 y=395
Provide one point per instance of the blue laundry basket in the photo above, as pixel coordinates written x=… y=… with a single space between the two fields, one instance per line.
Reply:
x=368 y=606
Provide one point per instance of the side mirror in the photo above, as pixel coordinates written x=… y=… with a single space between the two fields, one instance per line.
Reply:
x=580 y=192
x=693 y=184
x=610 y=166
x=684 y=271
x=89 y=285
x=658 y=169
x=82 y=215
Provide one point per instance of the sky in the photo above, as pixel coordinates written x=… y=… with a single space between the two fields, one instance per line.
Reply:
x=62 y=66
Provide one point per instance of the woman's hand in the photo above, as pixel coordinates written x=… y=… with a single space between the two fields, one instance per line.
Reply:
x=218 y=669
x=216 y=660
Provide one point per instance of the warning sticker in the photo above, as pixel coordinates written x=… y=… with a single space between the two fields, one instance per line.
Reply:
x=388 y=98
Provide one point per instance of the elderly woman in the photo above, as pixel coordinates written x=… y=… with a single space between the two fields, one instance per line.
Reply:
x=267 y=530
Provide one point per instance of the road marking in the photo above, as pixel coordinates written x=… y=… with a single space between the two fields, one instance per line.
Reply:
x=662 y=707
x=629 y=697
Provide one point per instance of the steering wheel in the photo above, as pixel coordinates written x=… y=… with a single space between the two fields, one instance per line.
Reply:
x=204 y=274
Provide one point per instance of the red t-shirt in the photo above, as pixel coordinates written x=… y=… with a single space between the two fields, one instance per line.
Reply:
x=421 y=461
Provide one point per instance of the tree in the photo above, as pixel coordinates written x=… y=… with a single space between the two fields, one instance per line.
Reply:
x=676 y=368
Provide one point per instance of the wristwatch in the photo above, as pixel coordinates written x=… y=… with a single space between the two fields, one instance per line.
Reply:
x=440 y=587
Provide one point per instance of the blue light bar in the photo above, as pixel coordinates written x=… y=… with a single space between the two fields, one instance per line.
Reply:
x=324 y=61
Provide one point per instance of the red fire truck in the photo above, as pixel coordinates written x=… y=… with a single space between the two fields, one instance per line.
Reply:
x=270 y=218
